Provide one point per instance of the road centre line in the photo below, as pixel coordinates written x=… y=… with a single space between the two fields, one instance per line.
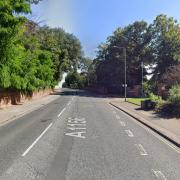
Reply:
x=129 y=133
x=61 y=112
x=175 y=148
x=159 y=174
x=32 y=145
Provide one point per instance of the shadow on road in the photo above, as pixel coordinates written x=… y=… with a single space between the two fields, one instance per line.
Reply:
x=83 y=93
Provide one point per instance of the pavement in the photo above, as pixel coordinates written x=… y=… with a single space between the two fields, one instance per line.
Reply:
x=80 y=136
x=15 y=111
x=167 y=127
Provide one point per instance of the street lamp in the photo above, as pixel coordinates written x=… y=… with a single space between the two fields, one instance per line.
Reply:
x=125 y=71
x=142 y=90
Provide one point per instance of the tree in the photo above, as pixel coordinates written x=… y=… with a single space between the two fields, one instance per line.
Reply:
x=76 y=80
x=84 y=64
x=9 y=24
x=166 y=44
x=135 y=38
x=172 y=76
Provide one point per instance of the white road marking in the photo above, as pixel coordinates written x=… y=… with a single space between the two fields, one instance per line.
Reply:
x=31 y=146
x=114 y=112
x=159 y=175
x=61 y=112
x=158 y=136
x=141 y=150
x=122 y=123
x=117 y=117
x=77 y=127
x=129 y=133
x=69 y=103
x=175 y=148
x=77 y=134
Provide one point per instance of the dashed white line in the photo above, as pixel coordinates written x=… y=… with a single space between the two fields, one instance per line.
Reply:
x=31 y=146
x=175 y=148
x=129 y=133
x=122 y=123
x=158 y=136
x=61 y=112
x=159 y=175
x=141 y=150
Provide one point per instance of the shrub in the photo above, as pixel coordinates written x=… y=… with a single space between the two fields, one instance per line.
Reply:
x=154 y=97
x=174 y=96
x=146 y=88
x=171 y=107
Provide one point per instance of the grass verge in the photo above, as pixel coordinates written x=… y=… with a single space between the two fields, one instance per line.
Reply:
x=136 y=101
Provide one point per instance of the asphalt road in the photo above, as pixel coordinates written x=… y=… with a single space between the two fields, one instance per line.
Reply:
x=80 y=136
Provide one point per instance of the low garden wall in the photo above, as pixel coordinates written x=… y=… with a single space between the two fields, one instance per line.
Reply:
x=9 y=97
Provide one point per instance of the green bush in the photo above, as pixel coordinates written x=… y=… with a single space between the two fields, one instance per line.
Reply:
x=154 y=97
x=171 y=107
x=147 y=88
x=174 y=95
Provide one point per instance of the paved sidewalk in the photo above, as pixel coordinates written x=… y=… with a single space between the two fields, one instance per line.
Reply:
x=169 y=128
x=13 y=112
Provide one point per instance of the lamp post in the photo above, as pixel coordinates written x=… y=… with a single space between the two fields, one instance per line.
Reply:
x=125 y=71
x=142 y=90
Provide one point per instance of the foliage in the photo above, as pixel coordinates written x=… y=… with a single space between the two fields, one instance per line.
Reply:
x=146 y=88
x=174 y=96
x=154 y=97
x=166 y=44
x=10 y=22
x=33 y=57
x=171 y=107
x=109 y=66
x=157 y=45
x=76 y=80
x=171 y=76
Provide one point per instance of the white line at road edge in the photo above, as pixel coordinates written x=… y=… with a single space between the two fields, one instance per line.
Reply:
x=61 y=112
x=31 y=146
x=159 y=174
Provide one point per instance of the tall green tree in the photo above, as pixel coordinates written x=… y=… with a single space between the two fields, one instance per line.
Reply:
x=135 y=38
x=166 y=44
x=10 y=22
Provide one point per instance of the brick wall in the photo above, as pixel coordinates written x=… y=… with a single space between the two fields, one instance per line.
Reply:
x=8 y=98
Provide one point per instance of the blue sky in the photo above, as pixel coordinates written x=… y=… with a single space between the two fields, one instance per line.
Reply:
x=93 y=20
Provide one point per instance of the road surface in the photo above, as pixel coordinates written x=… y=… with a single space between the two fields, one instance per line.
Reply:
x=80 y=136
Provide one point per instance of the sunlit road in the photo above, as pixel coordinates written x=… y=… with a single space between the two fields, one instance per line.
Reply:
x=81 y=137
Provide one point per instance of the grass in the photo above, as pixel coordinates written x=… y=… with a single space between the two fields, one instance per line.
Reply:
x=136 y=101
